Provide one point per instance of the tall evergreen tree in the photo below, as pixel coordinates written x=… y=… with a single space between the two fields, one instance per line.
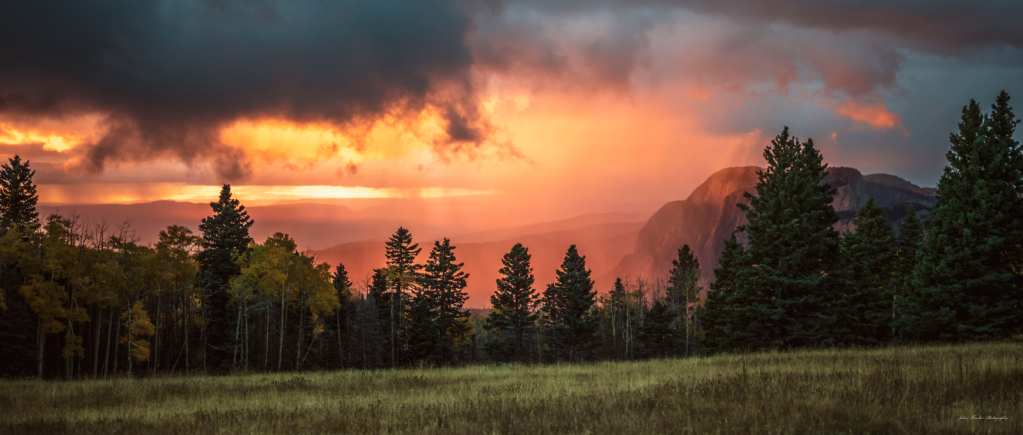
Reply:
x=786 y=294
x=17 y=208
x=513 y=304
x=683 y=288
x=343 y=316
x=567 y=304
x=402 y=276
x=226 y=235
x=907 y=244
x=866 y=314
x=967 y=284
x=436 y=319
x=657 y=337
x=18 y=195
x=724 y=328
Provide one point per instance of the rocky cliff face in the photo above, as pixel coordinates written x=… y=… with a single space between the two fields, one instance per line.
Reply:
x=709 y=215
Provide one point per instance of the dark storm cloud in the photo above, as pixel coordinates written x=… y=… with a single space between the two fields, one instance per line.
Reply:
x=936 y=25
x=171 y=73
x=864 y=39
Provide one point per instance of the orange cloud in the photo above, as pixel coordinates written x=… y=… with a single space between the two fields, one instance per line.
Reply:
x=55 y=134
x=130 y=193
x=875 y=115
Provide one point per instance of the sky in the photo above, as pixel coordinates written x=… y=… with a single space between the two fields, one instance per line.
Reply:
x=548 y=108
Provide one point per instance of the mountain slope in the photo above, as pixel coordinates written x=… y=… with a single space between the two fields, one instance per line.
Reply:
x=709 y=215
x=604 y=245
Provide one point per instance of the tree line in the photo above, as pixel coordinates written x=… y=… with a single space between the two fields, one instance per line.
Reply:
x=88 y=300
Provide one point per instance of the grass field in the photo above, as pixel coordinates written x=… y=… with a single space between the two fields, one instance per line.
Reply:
x=916 y=390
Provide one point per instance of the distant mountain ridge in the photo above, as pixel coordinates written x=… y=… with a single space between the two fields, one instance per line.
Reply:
x=709 y=215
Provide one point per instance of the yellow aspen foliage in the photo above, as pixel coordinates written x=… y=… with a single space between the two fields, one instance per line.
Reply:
x=138 y=326
x=73 y=346
x=46 y=299
x=321 y=294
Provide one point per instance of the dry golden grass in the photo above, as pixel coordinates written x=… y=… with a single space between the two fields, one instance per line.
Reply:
x=917 y=390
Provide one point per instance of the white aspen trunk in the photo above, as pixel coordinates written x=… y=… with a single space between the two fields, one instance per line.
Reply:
x=188 y=325
x=41 y=340
x=110 y=331
x=237 y=337
x=130 y=342
x=280 y=347
x=301 y=333
x=97 y=331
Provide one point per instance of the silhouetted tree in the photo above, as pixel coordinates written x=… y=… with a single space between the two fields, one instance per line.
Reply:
x=226 y=235
x=683 y=288
x=513 y=305
x=18 y=195
x=402 y=274
x=567 y=303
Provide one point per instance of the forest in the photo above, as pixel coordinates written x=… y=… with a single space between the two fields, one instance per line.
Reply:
x=87 y=300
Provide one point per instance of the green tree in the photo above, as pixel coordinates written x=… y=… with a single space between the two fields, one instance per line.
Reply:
x=402 y=274
x=968 y=284
x=786 y=294
x=869 y=253
x=513 y=305
x=659 y=339
x=18 y=195
x=907 y=244
x=226 y=236
x=343 y=316
x=566 y=304
x=723 y=323
x=441 y=297
x=683 y=288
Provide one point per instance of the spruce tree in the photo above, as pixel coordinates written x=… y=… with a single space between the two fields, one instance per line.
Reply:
x=18 y=195
x=786 y=294
x=226 y=235
x=723 y=327
x=619 y=313
x=513 y=304
x=439 y=319
x=657 y=337
x=402 y=276
x=567 y=304
x=343 y=316
x=869 y=253
x=967 y=284
x=907 y=244
x=683 y=288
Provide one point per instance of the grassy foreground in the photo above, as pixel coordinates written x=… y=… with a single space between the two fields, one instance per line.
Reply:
x=918 y=390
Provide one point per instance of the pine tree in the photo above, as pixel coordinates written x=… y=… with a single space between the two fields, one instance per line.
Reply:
x=567 y=303
x=343 y=316
x=866 y=309
x=18 y=195
x=683 y=288
x=513 y=305
x=444 y=283
x=402 y=276
x=657 y=337
x=967 y=284
x=907 y=244
x=226 y=235
x=618 y=312
x=723 y=326
x=787 y=293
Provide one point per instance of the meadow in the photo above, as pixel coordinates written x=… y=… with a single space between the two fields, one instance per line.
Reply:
x=971 y=388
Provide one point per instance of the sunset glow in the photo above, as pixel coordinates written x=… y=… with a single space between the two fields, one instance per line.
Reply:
x=558 y=111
